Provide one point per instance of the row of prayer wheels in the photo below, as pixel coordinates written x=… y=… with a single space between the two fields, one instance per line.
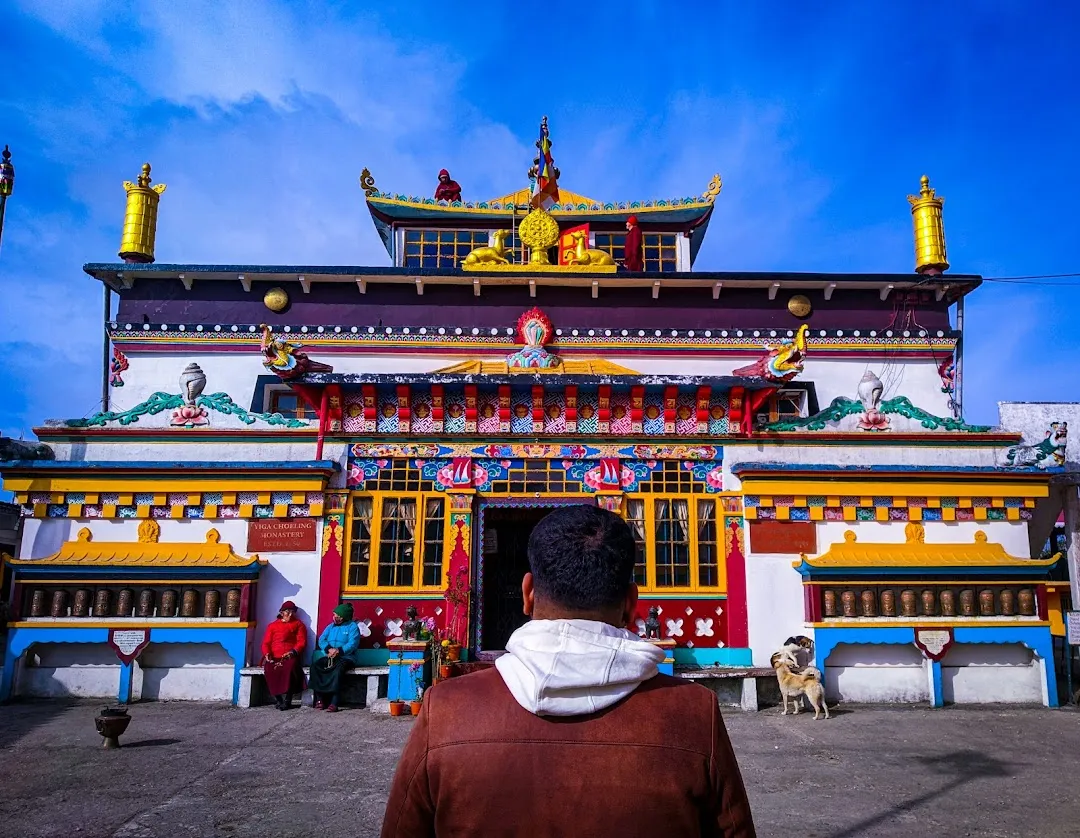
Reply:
x=929 y=602
x=151 y=602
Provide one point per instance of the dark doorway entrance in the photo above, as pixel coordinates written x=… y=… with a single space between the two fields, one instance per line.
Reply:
x=506 y=561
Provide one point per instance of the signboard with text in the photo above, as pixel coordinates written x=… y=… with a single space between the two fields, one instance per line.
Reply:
x=129 y=643
x=1072 y=628
x=281 y=535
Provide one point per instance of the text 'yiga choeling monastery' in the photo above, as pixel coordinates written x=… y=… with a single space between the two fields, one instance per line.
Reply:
x=787 y=448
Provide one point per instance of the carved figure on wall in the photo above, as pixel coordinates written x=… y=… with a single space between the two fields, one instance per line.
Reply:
x=497 y=254
x=869 y=391
x=410 y=629
x=285 y=359
x=583 y=255
x=535 y=331
x=1050 y=453
x=782 y=362
x=448 y=189
x=652 y=624
x=632 y=252
x=117 y=367
x=947 y=372
x=190 y=414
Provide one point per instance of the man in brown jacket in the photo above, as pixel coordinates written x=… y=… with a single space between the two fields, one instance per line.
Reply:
x=574 y=733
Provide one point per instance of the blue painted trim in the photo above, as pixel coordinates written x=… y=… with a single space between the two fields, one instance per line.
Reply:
x=233 y=640
x=928 y=572
x=830 y=468
x=937 y=697
x=713 y=657
x=1036 y=638
x=157 y=574
x=123 y=694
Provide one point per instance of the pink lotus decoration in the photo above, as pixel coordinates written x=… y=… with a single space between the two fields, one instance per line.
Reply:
x=189 y=416
x=873 y=420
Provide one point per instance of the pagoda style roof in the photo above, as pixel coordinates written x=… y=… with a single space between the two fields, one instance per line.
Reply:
x=569 y=366
x=916 y=556
x=147 y=552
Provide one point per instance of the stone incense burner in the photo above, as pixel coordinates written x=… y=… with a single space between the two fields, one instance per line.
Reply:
x=111 y=723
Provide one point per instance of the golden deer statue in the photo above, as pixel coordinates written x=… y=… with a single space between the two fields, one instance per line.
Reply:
x=582 y=255
x=491 y=255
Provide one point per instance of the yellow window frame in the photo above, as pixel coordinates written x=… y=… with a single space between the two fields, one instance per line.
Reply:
x=720 y=516
x=378 y=500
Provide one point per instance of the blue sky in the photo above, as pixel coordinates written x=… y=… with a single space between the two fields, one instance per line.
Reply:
x=820 y=117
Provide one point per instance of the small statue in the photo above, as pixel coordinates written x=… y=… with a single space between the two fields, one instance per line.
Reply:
x=782 y=362
x=652 y=624
x=583 y=255
x=410 y=629
x=495 y=255
x=285 y=359
x=447 y=190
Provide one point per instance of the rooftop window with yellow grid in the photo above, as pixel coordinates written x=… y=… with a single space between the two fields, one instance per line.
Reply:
x=660 y=249
x=441 y=248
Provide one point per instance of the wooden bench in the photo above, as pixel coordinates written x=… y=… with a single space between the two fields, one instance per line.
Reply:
x=363 y=686
x=737 y=686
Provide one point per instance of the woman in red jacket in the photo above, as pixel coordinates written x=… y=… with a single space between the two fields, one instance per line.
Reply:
x=283 y=647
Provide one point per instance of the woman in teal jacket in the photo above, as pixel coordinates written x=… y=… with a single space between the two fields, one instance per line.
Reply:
x=333 y=657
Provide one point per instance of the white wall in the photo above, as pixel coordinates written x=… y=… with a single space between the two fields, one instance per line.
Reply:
x=186 y=671
x=872 y=673
x=83 y=670
x=974 y=673
x=774 y=600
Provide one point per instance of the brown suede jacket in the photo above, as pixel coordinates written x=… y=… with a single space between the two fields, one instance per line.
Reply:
x=657 y=764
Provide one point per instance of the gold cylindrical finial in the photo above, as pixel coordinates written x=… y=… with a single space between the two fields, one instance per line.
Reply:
x=140 y=218
x=929 y=230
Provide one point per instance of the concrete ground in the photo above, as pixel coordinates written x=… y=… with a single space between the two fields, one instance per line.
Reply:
x=212 y=770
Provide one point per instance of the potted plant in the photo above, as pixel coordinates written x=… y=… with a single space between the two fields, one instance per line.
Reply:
x=397 y=707
x=418 y=702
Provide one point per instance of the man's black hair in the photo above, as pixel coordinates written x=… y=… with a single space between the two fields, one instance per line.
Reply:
x=582 y=558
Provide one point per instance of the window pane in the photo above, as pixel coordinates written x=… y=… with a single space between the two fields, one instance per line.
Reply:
x=433 y=541
x=635 y=517
x=708 y=548
x=672 y=543
x=396 y=542
x=360 y=542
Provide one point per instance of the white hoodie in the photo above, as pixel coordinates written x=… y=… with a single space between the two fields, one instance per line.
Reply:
x=574 y=667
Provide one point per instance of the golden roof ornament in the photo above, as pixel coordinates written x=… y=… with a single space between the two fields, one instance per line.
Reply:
x=140 y=218
x=929 y=230
x=713 y=189
x=367 y=183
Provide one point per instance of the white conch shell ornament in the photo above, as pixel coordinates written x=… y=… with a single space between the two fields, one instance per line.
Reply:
x=192 y=383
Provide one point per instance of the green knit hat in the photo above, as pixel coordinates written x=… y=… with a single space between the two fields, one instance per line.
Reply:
x=345 y=611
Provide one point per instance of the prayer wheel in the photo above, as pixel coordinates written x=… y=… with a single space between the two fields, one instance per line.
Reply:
x=948 y=603
x=967 y=603
x=81 y=608
x=847 y=601
x=125 y=602
x=103 y=603
x=907 y=603
x=868 y=600
x=37 y=603
x=1026 y=600
x=986 y=603
x=929 y=603
x=232 y=603
x=1007 y=602
x=168 y=603
x=212 y=603
x=59 y=604
x=828 y=602
x=190 y=606
x=146 y=603
x=888 y=603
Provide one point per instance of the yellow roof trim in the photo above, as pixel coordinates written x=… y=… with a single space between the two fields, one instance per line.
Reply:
x=587 y=366
x=915 y=552
x=146 y=552
x=915 y=484
x=523 y=196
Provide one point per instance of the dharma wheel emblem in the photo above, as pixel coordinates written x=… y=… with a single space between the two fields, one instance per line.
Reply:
x=540 y=232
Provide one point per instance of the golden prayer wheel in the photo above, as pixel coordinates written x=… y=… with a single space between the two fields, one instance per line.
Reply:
x=81 y=608
x=37 y=603
x=1026 y=599
x=146 y=603
x=888 y=603
x=59 y=604
x=929 y=230
x=212 y=603
x=140 y=218
x=125 y=602
x=168 y=603
x=103 y=603
x=232 y=603
x=190 y=607
x=829 y=602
